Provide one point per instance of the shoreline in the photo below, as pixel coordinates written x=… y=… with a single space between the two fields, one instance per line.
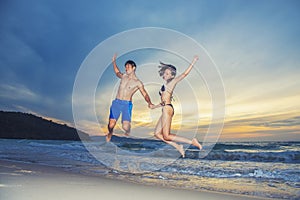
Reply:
x=32 y=181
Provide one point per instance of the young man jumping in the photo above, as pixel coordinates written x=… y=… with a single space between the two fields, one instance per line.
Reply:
x=123 y=103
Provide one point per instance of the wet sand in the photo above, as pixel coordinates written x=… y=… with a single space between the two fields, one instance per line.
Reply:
x=22 y=181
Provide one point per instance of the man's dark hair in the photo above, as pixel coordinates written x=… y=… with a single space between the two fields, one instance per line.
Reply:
x=131 y=63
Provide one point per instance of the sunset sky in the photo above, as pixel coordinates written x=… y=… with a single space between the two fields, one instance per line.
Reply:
x=254 y=44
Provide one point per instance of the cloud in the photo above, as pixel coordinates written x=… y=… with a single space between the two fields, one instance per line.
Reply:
x=18 y=92
x=289 y=122
x=42 y=47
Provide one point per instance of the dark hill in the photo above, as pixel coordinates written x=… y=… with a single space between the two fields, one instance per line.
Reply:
x=16 y=125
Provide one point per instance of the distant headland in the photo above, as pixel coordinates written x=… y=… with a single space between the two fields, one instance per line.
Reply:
x=17 y=125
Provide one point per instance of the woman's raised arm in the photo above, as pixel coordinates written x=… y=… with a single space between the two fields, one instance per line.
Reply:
x=187 y=71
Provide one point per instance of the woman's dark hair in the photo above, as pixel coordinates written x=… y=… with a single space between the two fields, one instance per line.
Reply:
x=164 y=66
x=131 y=63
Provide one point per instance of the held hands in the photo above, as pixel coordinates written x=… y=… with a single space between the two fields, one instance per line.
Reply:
x=152 y=106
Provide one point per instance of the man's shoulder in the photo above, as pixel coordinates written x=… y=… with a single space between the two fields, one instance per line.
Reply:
x=138 y=81
x=124 y=76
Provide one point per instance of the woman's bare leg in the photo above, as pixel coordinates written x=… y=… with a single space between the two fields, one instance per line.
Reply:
x=158 y=134
x=166 y=120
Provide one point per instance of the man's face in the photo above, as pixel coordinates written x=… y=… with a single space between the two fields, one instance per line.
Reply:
x=129 y=69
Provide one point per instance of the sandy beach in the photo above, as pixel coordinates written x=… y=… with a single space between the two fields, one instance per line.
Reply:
x=31 y=181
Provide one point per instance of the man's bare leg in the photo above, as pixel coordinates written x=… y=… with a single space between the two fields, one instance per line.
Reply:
x=126 y=127
x=108 y=137
x=110 y=127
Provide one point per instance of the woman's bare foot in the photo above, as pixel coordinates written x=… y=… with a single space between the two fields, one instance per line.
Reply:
x=108 y=137
x=196 y=143
x=180 y=149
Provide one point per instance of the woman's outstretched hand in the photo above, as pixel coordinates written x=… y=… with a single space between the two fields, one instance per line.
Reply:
x=196 y=58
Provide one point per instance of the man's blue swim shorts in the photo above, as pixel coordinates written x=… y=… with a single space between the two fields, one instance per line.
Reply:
x=121 y=106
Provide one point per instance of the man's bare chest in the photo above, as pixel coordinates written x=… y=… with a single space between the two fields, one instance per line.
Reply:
x=128 y=84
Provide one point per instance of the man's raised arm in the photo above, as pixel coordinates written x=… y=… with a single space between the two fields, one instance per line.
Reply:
x=116 y=69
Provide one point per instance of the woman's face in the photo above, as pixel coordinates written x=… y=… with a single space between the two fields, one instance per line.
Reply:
x=167 y=75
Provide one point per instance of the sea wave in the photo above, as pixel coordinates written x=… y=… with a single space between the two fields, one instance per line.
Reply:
x=284 y=157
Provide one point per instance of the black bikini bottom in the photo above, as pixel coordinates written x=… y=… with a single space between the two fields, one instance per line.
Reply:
x=169 y=105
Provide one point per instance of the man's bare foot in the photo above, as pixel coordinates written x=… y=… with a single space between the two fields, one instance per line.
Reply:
x=196 y=143
x=108 y=137
x=181 y=150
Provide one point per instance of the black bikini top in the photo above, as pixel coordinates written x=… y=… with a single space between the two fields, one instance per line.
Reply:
x=162 y=89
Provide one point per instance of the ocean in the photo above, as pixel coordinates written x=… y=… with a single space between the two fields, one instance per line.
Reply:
x=259 y=169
